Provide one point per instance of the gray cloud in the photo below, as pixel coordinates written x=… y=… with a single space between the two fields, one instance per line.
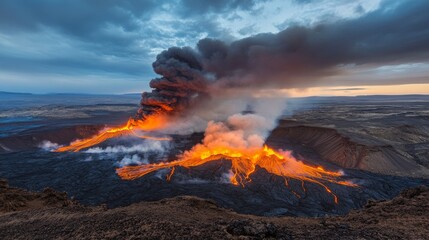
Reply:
x=79 y=18
x=303 y=1
x=295 y=57
x=101 y=36
x=396 y=33
x=346 y=89
x=359 y=9
x=247 y=30
x=97 y=36
x=198 y=7
x=100 y=21
x=122 y=38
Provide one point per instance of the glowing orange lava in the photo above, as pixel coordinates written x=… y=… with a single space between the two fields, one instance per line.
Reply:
x=221 y=142
x=150 y=123
x=244 y=162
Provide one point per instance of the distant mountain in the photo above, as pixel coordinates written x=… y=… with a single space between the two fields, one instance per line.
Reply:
x=67 y=94
x=311 y=98
x=13 y=93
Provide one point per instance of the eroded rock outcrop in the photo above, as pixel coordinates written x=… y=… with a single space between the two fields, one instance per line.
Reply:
x=346 y=152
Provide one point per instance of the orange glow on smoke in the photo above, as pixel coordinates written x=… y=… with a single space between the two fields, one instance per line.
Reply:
x=150 y=123
x=244 y=163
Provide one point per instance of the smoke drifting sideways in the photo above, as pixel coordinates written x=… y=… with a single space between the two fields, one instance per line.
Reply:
x=182 y=83
x=296 y=57
x=218 y=79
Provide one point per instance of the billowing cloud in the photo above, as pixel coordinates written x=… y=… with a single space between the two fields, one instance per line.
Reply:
x=108 y=39
x=197 y=7
x=118 y=40
x=296 y=57
x=79 y=18
x=299 y=55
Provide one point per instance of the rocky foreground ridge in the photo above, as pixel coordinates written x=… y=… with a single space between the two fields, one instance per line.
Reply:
x=50 y=214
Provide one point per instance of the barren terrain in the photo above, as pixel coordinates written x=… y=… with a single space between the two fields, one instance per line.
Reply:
x=50 y=215
x=379 y=143
x=382 y=135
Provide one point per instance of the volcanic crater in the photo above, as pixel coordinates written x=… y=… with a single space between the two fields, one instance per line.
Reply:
x=381 y=165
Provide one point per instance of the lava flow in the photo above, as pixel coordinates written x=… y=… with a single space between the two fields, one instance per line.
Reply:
x=150 y=123
x=244 y=163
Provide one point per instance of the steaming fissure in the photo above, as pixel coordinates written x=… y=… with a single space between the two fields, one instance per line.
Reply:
x=244 y=163
x=223 y=141
x=130 y=128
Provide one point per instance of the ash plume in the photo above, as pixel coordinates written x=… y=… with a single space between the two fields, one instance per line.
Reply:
x=295 y=57
x=182 y=83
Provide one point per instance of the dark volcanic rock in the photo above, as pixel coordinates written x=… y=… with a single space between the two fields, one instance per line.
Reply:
x=386 y=138
x=95 y=182
x=252 y=228
x=414 y=192
x=14 y=199
x=32 y=140
x=404 y=217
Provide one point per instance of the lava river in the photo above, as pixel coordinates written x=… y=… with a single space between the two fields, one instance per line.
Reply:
x=244 y=163
x=132 y=127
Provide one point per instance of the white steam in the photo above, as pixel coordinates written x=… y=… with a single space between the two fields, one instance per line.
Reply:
x=124 y=155
x=220 y=110
x=147 y=146
x=135 y=159
x=48 y=145
x=226 y=177
x=192 y=181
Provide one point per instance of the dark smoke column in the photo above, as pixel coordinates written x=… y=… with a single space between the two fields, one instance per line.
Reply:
x=182 y=83
x=297 y=57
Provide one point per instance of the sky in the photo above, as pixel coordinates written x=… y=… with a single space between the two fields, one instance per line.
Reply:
x=107 y=46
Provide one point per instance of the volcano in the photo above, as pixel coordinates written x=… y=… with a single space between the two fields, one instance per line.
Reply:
x=266 y=191
x=223 y=141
